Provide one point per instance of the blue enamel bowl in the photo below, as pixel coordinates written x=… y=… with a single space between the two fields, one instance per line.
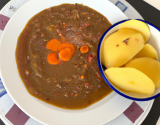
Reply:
x=154 y=41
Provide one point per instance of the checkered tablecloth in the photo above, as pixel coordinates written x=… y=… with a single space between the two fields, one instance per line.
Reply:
x=12 y=114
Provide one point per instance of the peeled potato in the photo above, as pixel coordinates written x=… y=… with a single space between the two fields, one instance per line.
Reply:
x=130 y=80
x=139 y=26
x=147 y=51
x=120 y=47
x=148 y=66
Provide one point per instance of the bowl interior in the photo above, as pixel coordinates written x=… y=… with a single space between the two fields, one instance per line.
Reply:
x=154 y=41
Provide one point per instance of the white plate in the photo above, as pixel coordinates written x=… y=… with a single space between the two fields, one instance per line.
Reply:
x=101 y=112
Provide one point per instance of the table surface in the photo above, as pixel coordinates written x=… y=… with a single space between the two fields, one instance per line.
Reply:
x=151 y=15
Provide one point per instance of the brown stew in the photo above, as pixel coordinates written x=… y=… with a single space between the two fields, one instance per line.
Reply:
x=71 y=80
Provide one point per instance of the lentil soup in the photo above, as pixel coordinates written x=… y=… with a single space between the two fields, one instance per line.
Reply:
x=56 y=56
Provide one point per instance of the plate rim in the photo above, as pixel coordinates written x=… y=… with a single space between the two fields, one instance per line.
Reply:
x=4 y=80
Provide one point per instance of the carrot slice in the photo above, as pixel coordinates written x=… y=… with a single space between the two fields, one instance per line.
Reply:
x=67 y=45
x=53 y=59
x=53 y=45
x=84 y=49
x=65 y=54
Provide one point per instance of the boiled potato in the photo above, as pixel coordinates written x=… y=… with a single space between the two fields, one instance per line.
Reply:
x=148 y=66
x=130 y=80
x=139 y=26
x=147 y=51
x=120 y=47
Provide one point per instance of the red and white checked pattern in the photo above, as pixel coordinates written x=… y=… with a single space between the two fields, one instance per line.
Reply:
x=3 y=21
x=14 y=115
